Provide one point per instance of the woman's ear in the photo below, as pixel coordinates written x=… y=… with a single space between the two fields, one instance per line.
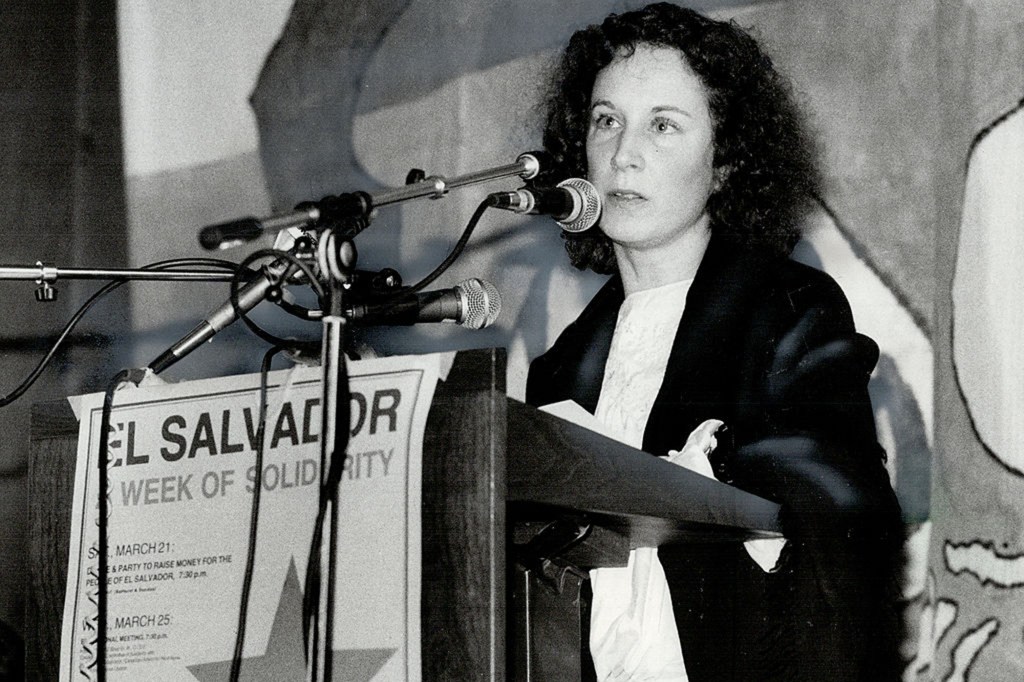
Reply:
x=721 y=174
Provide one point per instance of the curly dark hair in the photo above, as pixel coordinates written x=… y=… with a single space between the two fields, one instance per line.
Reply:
x=764 y=157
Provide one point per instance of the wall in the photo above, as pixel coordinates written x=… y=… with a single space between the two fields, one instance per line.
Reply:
x=62 y=199
x=191 y=157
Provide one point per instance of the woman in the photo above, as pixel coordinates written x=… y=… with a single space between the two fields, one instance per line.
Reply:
x=694 y=144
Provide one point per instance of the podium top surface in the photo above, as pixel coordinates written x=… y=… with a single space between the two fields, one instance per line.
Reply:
x=555 y=466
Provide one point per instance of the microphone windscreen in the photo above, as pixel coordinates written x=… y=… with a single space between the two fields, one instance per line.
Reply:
x=481 y=303
x=590 y=205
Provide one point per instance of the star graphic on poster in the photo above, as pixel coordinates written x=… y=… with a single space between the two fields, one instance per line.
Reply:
x=284 y=660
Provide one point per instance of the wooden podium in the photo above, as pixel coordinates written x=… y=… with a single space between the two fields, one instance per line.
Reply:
x=516 y=505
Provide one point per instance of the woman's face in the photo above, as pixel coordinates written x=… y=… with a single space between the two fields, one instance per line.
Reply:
x=650 y=148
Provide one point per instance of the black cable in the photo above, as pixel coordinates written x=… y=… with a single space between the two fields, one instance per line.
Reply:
x=122 y=377
x=75 y=319
x=34 y=375
x=328 y=500
x=295 y=263
x=456 y=251
x=300 y=311
x=311 y=589
x=254 y=516
x=240 y=269
x=136 y=376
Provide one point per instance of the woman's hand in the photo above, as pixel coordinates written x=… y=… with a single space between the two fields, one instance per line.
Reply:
x=700 y=444
x=694 y=456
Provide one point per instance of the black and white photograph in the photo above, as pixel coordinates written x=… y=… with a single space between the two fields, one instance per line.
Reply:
x=601 y=340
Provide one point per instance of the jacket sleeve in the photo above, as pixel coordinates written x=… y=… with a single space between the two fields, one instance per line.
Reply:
x=810 y=445
x=805 y=432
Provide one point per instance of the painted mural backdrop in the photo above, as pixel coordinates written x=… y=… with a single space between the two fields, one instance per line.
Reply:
x=976 y=581
x=976 y=584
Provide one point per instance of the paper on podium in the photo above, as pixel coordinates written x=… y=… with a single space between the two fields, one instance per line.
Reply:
x=764 y=551
x=572 y=411
x=556 y=463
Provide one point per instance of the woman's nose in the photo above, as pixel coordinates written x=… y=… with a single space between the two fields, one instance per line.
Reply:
x=628 y=151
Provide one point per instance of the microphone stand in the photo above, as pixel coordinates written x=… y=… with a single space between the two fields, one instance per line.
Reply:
x=336 y=255
x=337 y=264
x=346 y=216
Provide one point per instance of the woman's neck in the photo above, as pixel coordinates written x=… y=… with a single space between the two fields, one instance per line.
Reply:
x=649 y=268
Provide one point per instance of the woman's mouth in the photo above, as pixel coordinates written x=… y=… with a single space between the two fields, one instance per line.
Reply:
x=624 y=197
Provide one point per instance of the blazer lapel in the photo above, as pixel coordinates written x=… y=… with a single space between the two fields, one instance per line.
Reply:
x=705 y=357
x=594 y=355
x=574 y=367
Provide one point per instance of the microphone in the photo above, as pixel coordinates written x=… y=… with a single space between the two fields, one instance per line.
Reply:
x=249 y=296
x=573 y=203
x=474 y=304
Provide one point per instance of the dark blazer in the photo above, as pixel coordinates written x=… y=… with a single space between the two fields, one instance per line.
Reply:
x=768 y=346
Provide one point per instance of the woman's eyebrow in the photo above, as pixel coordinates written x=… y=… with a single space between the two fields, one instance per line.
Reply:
x=669 y=107
x=656 y=110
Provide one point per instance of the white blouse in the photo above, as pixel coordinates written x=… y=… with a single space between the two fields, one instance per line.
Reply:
x=633 y=633
x=638 y=358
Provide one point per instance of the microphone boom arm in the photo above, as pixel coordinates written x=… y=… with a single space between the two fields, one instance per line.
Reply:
x=358 y=204
x=40 y=272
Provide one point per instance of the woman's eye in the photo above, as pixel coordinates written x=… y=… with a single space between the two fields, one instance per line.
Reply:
x=605 y=121
x=665 y=125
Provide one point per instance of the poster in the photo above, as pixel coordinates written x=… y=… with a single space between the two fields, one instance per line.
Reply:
x=181 y=480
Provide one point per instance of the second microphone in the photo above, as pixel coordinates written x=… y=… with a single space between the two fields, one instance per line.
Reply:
x=473 y=303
